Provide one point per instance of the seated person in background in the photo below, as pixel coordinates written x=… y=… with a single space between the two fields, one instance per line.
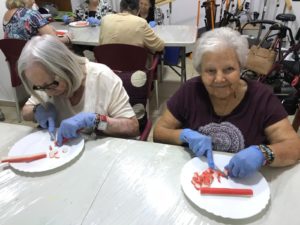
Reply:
x=70 y=92
x=220 y=111
x=91 y=10
x=149 y=12
x=127 y=28
x=146 y=10
x=21 y=22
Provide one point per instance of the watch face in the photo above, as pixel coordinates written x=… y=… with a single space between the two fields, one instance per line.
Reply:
x=102 y=125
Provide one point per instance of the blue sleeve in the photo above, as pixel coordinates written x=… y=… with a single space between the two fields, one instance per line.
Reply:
x=36 y=19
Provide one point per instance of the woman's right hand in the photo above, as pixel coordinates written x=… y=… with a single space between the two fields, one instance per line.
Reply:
x=69 y=127
x=200 y=144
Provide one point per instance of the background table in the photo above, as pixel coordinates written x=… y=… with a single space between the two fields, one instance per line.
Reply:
x=180 y=36
x=123 y=182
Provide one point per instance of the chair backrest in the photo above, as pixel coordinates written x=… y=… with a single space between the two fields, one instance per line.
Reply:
x=12 y=49
x=129 y=63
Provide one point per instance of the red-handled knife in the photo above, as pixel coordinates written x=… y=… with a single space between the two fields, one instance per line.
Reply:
x=24 y=158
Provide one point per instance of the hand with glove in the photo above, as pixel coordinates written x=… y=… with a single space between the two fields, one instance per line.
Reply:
x=245 y=162
x=46 y=116
x=66 y=19
x=93 y=21
x=152 y=24
x=200 y=144
x=69 y=127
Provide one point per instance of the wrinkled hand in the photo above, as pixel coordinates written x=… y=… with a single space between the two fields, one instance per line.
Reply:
x=93 y=21
x=200 y=144
x=245 y=162
x=69 y=127
x=152 y=24
x=46 y=117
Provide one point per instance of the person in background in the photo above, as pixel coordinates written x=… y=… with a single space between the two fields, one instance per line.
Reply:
x=146 y=10
x=90 y=10
x=93 y=8
x=69 y=92
x=21 y=22
x=127 y=28
x=220 y=111
x=149 y=12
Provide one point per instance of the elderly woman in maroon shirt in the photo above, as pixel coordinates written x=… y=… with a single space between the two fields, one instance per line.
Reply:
x=219 y=111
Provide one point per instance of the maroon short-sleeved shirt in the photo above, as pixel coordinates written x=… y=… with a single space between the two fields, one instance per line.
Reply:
x=243 y=127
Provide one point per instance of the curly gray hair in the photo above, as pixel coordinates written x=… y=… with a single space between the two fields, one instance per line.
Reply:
x=223 y=37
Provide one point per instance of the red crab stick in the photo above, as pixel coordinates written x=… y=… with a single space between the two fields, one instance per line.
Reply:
x=24 y=158
x=226 y=191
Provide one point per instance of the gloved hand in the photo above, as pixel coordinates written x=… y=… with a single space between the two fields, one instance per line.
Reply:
x=69 y=127
x=46 y=117
x=93 y=21
x=245 y=162
x=152 y=24
x=66 y=19
x=200 y=144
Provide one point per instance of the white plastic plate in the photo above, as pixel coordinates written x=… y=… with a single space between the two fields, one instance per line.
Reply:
x=39 y=142
x=234 y=207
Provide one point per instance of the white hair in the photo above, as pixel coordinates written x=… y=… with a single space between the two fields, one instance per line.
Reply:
x=57 y=60
x=223 y=37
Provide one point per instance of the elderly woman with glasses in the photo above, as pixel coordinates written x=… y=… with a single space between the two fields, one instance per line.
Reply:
x=70 y=92
x=220 y=111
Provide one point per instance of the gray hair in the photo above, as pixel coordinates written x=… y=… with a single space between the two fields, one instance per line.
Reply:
x=56 y=58
x=223 y=37
x=13 y=4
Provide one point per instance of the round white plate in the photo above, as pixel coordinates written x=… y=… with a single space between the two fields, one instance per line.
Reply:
x=79 y=24
x=234 y=207
x=39 y=142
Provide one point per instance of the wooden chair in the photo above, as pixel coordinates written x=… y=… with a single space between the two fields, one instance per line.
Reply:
x=129 y=63
x=12 y=49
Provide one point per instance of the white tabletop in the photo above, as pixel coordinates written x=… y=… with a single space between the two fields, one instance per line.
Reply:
x=173 y=35
x=123 y=182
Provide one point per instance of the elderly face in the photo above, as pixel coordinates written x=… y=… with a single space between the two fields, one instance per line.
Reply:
x=144 y=6
x=220 y=73
x=41 y=80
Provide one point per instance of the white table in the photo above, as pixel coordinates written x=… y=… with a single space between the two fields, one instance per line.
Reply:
x=180 y=36
x=124 y=182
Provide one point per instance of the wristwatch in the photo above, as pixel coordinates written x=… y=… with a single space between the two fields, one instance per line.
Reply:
x=100 y=122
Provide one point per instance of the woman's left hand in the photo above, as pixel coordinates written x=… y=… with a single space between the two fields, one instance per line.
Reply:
x=245 y=162
x=69 y=127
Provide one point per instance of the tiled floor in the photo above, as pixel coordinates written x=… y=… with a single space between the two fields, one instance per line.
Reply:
x=170 y=83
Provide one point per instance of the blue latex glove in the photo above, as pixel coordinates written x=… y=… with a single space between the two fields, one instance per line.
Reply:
x=69 y=127
x=152 y=24
x=66 y=19
x=93 y=21
x=245 y=162
x=200 y=144
x=46 y=117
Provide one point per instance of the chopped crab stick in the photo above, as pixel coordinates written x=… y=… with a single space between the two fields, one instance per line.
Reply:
x=226 y=191
x=24 y=158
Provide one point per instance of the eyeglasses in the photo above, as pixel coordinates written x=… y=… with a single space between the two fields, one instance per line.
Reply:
x=46 y=87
